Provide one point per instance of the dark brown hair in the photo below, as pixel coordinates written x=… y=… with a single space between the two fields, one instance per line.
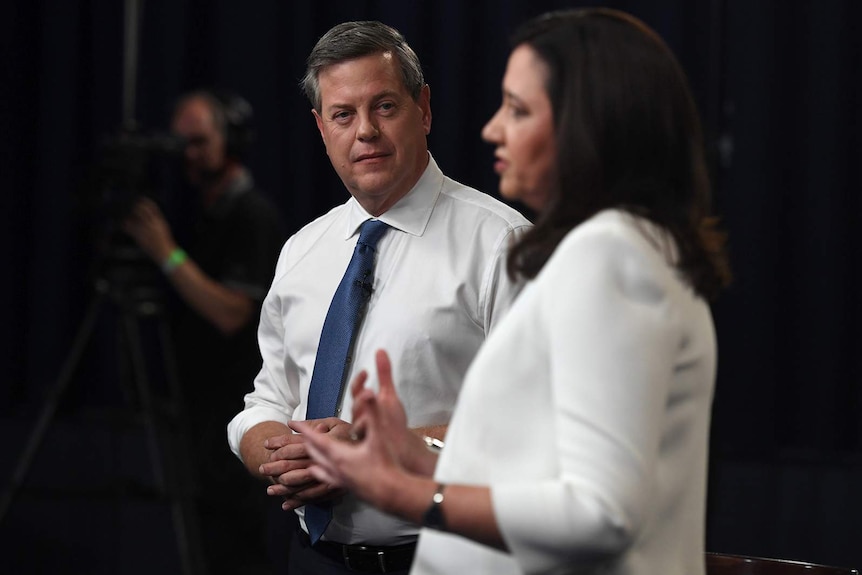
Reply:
x=628 y=137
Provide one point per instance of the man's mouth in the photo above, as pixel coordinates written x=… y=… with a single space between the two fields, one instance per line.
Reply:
x=371 y=157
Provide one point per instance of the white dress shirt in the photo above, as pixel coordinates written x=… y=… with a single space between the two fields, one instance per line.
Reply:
x=440 y=285
x=587 y=414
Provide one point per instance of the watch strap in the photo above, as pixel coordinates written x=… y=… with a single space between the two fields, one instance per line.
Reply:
x=433 y=517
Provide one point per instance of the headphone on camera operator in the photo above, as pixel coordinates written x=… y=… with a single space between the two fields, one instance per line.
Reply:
x=233 y=115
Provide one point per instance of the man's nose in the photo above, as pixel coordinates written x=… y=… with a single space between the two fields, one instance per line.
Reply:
x=368 y=129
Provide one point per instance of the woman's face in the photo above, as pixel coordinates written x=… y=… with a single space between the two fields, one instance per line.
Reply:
x=523 y=131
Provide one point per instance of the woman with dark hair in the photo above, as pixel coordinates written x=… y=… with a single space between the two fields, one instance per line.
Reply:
x=579 y=442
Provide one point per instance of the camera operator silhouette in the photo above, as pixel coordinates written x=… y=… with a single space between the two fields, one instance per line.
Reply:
x=220 y=278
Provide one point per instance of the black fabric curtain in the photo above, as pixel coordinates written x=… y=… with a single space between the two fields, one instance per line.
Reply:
x=778 y=85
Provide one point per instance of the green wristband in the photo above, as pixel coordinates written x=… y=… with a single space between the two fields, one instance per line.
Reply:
x=173 y=261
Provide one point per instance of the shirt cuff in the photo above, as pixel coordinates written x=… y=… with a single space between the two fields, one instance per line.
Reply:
x=248 y=418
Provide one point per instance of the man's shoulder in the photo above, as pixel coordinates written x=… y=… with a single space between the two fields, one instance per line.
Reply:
x=322 y=222
x=315 y=235
x=313 y=231
x=472 y=202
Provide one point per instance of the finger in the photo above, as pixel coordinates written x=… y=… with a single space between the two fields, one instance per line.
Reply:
x=324 y=476
x=364 y=396
x=318 y=425
x=374 y=426
x=304 y=427
x=294 y=451
x=319 y=449
x=384 y=374
x=366 y=421
x=296 y=426
x=289 y=453
x=319 y=491
x=277 y=441
x=282 y=466
x=370 y=419
x=360 y=402
x=272 y=469
x=279 y=491
x=291 y=503
x=291 y=490
x=358 y=383
x=297 y=479
x=316 y=443
x=323 y=450
x=359 y=428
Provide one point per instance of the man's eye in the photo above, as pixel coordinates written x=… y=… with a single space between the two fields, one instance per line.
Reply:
x=341 y=115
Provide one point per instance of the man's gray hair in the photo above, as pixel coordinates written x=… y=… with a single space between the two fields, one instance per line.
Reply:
x=352 y=40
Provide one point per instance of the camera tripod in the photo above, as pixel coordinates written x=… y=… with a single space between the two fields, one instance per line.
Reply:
x=166 y=466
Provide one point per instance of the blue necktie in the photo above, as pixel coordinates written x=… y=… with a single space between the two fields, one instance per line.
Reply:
x=336 y=342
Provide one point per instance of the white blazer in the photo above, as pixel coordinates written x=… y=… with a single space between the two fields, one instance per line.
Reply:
x=587 y=413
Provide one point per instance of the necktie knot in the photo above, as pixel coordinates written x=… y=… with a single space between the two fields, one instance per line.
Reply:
x=371 y=231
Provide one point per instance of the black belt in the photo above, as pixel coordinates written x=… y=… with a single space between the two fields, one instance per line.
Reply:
x=365 y=558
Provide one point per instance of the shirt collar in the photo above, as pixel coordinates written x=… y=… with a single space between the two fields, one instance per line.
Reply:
x=411 y=213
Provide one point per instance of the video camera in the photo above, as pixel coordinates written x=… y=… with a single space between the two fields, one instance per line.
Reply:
x=133 y=164
x=129 y=165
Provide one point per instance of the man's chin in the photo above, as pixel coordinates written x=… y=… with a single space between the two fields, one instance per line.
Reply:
x=375 y=187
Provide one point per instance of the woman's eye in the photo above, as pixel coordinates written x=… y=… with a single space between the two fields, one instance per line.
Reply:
x=517 y=111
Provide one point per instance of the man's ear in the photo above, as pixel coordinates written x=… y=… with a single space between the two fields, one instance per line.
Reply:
x=425 y=105
x=319 y=121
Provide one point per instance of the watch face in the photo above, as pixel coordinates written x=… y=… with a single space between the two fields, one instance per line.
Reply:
x=433 y=518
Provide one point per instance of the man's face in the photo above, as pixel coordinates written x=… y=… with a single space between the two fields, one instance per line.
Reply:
x=205 y=143
x=374 y=132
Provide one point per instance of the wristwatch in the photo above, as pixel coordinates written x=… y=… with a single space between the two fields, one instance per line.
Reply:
x=433 y=517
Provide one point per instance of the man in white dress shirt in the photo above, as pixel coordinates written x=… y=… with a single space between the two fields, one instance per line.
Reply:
x=440 y=285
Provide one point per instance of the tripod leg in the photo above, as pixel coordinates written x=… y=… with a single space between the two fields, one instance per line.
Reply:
x=184 y=513
x=139 y=375
x=51 y=404
x=166 y=475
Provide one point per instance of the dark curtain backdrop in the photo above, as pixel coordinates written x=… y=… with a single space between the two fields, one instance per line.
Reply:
x=778 y=84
